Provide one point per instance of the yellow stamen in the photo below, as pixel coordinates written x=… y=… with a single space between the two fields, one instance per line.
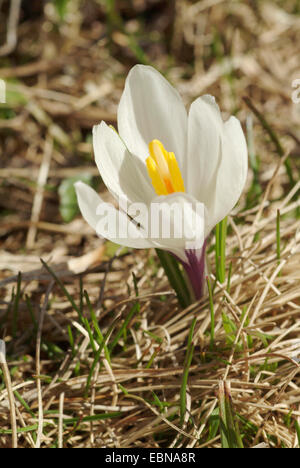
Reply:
x=155 y=177
x=163 y=170
x=175 y=173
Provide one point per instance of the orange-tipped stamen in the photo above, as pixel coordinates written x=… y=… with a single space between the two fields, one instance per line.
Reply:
x=163 y=170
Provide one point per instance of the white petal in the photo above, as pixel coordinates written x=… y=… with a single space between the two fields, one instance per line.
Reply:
x=217 y=160
x=232 y=171
x=205 y=127
x=150 y=108
x=123 y=173
x=90 y=202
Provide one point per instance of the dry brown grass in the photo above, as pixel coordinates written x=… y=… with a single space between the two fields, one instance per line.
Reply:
x=70 y=77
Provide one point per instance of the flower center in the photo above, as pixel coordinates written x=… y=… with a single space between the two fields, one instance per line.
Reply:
x=163 y=170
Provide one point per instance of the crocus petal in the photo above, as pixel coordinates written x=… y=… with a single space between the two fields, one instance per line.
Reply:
x=150 y=108
x=89 y=203
x=123 y=173
x=217 y=159
x=205 y=127
x=232 y=171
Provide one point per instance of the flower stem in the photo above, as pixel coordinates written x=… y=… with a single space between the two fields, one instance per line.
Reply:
x=175 y=277
x=195 y=269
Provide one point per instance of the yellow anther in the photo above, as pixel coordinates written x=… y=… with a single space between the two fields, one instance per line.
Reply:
x=155 y=177
x=158 y=153
x=163 y=170
x=175 y=173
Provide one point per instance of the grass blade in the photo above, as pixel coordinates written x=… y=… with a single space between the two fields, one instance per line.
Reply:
x=230 y=434
x=186 y=368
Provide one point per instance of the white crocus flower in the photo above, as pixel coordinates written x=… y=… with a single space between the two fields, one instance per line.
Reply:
x=164 y=154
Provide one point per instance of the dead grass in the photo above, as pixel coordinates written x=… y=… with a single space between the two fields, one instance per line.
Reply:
x=62 y=79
